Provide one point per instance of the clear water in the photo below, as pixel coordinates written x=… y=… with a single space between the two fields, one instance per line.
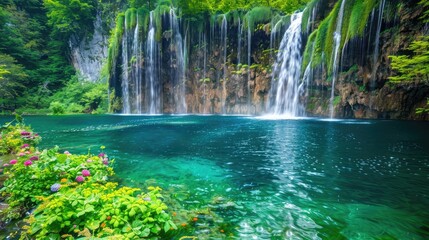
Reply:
x=269 y=179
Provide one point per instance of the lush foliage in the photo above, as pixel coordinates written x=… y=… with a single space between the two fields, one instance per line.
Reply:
x=80 y=96
x=73 y=195
x=17 y=138
x=192 y=7
x=414 y=67
x=33 y=60
x=69 y=17
x=100 y=210
x=34 y=173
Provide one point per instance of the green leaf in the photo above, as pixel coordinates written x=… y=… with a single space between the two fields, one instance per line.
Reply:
x=145 y=232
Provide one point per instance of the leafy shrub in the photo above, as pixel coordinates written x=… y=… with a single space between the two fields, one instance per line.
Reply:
x=16 y=138
x=100 y=210
x=33 y=174
x=57 y=108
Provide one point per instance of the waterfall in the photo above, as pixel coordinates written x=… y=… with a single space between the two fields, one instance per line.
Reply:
x=337 y=42
x=178 y=68
x=239 y=33
x=224 y=40
x=152 y=88
x=285 y=86
x=136 y=69
x=125 y=76
x=204 y=74
x=249 y=52
x=377 y=43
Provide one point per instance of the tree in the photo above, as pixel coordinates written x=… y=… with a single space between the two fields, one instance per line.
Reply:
x=69 y=17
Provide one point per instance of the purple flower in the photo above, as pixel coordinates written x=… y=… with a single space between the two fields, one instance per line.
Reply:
x=55 y=187
x=80 y=178
x=26 y=145
x=106 y=161
x=25 y=133
x=33 y=158
x=28 y=163
x=86 y=173
x=13 y=161
x=101 y=155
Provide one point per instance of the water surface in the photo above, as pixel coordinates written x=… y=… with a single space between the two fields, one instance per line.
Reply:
x=268 y=179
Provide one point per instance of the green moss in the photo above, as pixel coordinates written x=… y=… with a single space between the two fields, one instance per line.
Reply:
x=115 y=41
x=157 y=15
x=309 y=49
x=359 y=17
x=319 y=45
x=257 y=15
x=130 y=18
x=306 y=14
x=143 y=19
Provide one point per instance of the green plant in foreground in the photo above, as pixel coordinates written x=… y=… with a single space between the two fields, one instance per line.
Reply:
x=32 y=174
x=100 y=210
x=16 y=138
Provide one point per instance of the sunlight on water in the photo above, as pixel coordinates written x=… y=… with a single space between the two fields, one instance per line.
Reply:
x=254 y=178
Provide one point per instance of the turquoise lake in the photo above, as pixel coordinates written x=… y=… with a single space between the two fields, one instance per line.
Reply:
x=267 y=179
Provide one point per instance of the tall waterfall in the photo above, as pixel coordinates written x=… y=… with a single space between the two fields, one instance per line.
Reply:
x=177 y=59
x=125 y=74
x=136 y=70
x=284 y=92
x=224 y=40
x=377 y=43
x=152 y=88
x=337 y=42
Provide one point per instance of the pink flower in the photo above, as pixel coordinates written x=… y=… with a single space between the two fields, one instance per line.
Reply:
x=5 y=164
x=27 y=152
x=67 y=153
x=28 y=163
x=13 y=161
x=89 y=161
x=101 y=155
x=86 y=173
x=80 y=178
x=21 y=154
x=33 y=158
x=106 y=161
x=25 y=145
x=25 y=133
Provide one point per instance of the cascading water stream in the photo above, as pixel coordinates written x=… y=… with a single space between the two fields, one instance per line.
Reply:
x=249 y=52
x=239 y=33
x=178 y=72
x=337 y=42
x=224 y=40
x=377 y=43
x=136 y=70
x=285 y=85
x=152 y=89
x=125 y=73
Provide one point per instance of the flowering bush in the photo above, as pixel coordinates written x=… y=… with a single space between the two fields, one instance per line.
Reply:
x=99 y=210
x=32 y=175
x=17 y=138
x=72 y=195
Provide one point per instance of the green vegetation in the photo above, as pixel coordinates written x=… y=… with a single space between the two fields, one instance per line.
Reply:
x=72 y=194
x=415 y=67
